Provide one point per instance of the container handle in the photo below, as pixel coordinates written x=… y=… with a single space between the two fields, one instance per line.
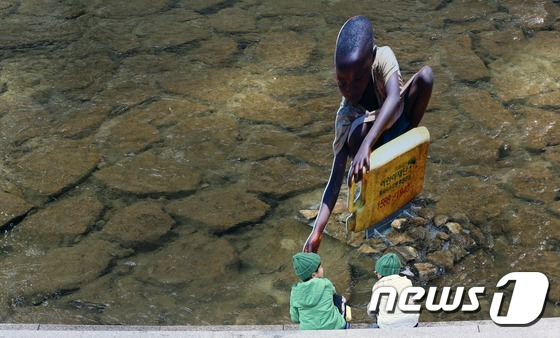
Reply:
x=352 y=205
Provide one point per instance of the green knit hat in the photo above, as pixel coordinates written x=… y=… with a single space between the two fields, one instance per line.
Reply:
x=305 y=263
x=388 y=264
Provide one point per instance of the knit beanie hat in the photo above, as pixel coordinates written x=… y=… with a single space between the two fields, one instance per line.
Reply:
x=305 y=263
x=388 y=264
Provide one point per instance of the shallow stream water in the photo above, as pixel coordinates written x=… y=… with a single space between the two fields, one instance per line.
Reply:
x=154 y=154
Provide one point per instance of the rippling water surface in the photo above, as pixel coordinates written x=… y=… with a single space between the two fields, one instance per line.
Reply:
x=154 y=155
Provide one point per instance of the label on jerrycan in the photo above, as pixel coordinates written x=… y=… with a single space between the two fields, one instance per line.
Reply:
x=395 y=177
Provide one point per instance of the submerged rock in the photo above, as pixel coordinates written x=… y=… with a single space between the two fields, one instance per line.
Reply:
x=118 y=134
x=55 y=167
x=264 y=108
x=220 y=209
x=526 y=78
x=462 y=61
x=138 y=224
x=426 y=271
x=444 y=259
x=212 y=258
x=12 y=207
x=51 y=275
x=534 y=182
x=233 y=20
x=285 y=49
x=61 y=223
x=540 y=129
x=279 y=176
x=147 y=174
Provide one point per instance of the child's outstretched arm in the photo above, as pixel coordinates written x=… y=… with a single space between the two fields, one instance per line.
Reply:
x=328 y=201
x=382 y=123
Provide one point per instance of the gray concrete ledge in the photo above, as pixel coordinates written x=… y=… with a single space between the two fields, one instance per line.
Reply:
x=546 y=327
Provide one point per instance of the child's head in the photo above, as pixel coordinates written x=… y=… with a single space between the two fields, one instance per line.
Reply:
x=353 y=57
x=307 y=265
x=388 y=264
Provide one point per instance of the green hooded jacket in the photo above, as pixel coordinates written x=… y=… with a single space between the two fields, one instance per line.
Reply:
x=311 y=305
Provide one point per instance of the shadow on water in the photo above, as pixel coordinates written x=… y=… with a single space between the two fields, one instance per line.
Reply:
x=154 y=157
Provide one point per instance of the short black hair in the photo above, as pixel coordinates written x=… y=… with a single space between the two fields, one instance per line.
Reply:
x=355 y=36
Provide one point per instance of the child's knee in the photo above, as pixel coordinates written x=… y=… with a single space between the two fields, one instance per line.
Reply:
x=426 y=76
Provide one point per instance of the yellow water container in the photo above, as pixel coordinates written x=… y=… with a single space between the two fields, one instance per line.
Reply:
x=395 y=177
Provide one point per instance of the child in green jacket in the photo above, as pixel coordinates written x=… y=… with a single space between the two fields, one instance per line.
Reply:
x=311 y=301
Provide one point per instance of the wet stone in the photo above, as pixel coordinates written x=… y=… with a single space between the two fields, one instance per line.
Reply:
x=462 y=60
x=212 y=258
x=500 y=43
x=458 y=252
x=308 y=214
x=193 y=139
x=125 y=91
x=203 y=83
x=284 y=49
x=11 y=208
x=87 y=76
x=442 y=235
x=279 y=176
x=263 y=141
x=426 y=271
x=534 y=182
x=215 y=50
x=460 y=217
x=121 y=10
x=407 y=253
x=468 y=11
x=535 y=17
x=532 y=227
x=365 y=249
x=530 y=68
x=82 y=263
x=443 y=259
x=263 y=108
x=62 y=222
x=138 y=224
x=419 y=234
x=489 y=202
x=118 y=134
x=458 y=148
x=418 y=221
x=453 y=227
x=80 y=123
x=540 y=129
x=440 y=220
x=398 y=238
x=545 y=100
x=399 y=224
x=233 y=20
x=220 y=209
x=53 y=168
x=148 y=174
x=487 y=111
x=169 y=30
x=356 y=239
x=378 y=244
x=117 y=35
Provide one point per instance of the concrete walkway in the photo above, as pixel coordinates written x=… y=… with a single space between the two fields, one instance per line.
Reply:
x=547 y=327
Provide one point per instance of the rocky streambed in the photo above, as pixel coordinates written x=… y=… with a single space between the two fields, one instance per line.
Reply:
x=154 y=156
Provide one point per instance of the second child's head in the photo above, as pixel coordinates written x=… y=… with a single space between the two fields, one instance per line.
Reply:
x=307 y=265
x=353 y=57
x=389 y=264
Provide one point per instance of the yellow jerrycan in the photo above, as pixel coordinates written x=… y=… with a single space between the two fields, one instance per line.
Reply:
x=395 y=177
